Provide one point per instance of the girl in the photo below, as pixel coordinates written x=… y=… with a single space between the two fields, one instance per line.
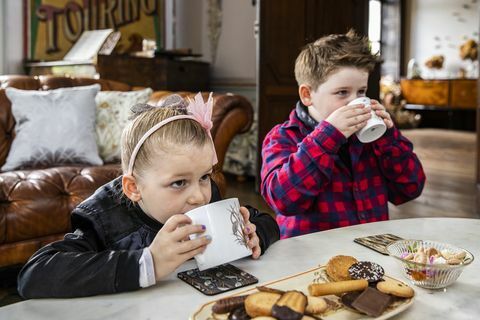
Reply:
x=132 y=232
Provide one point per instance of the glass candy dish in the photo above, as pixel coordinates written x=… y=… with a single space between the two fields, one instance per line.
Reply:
x=431 y=274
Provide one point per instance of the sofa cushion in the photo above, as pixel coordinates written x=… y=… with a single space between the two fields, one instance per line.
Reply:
x=55 y=127
x=113 y=110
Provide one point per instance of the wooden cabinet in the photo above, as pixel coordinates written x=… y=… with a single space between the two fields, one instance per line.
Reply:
x=449 y=104
x=463 y=93
x=158 y=73
x=453 y=93
x=433 y=92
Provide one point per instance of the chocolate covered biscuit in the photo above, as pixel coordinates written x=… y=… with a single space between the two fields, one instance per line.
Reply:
x=370 y=271
x=290 y=306
x=226 y=305
x=239 y=314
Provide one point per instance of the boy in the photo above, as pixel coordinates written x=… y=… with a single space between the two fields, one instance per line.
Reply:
x=316 y=175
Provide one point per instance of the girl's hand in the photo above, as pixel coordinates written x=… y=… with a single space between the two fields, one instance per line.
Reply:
x=349 y=119
x=249 y=230
x=382 y=113
x=172 y=247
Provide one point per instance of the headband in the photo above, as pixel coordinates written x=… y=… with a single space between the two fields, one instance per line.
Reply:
x=198 y=110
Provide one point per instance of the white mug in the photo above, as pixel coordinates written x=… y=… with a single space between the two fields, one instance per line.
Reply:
x=224 y=223
x=375 y=127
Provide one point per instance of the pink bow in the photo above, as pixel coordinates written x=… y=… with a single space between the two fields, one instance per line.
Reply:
x=202 y=112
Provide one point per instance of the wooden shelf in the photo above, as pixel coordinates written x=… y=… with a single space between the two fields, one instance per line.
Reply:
x=158 y=73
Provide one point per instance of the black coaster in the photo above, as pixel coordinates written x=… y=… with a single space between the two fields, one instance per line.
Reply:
x=216 y=280
x=378 y=242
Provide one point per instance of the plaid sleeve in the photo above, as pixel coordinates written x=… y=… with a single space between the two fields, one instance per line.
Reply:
x=400 y=166
x=295 y=168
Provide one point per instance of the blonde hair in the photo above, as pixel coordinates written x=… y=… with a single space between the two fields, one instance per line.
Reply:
x=176 y=133
x=320 y=58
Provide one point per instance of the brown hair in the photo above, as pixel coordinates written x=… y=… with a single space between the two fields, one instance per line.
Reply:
x=178 y=132
x=318 y=59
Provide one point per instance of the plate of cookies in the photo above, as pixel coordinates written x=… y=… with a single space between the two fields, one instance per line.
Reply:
x=344 y=288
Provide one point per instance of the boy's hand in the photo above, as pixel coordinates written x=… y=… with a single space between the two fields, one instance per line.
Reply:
x=382 y=113
x=349 y=119
x=249 y=230
x=171 y=246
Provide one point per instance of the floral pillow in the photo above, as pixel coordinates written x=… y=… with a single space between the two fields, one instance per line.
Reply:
x=113 y=110
x=53 y=128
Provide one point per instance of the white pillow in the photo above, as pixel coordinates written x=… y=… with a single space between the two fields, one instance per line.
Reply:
x=113 y=110
x=53 y=128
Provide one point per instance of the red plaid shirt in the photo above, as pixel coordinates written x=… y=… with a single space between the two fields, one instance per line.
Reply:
x=311 y=188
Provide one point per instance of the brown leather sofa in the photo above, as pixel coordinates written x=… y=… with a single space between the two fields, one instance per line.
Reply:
x=35 y=204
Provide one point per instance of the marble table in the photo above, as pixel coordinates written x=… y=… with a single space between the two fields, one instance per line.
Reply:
x=173 y=299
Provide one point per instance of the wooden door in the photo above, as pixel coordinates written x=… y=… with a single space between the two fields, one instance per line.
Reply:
x=478 y=137
x=285 y=27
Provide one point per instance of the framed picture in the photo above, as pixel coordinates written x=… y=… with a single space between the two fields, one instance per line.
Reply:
x=53 y=26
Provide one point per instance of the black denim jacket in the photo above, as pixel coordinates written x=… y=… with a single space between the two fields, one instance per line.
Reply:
x=102 y=255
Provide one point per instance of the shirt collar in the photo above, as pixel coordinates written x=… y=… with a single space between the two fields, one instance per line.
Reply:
x=302 y=113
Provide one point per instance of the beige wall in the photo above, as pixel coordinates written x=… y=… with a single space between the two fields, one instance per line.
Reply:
x=11 y=24
x=236 y=55
x=439 y=27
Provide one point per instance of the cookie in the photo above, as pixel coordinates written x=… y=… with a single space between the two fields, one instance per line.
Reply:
x=396 y=288
x=337 y=267
x=226 y=305
x=238 y=314
x=294 y=300
x=370 y=271
x=260 y=303
x=315 y=305
x=339 y=287
x=285 y=313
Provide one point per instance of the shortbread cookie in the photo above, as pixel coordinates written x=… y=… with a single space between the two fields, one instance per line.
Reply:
x=339 y=287
x=337 y=267
x=294 y=300
x=370 y=271
x=315 y=305
x=261 y=303
x=396 y=288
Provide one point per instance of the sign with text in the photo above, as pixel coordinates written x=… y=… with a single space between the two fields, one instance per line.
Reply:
x=53 y=26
